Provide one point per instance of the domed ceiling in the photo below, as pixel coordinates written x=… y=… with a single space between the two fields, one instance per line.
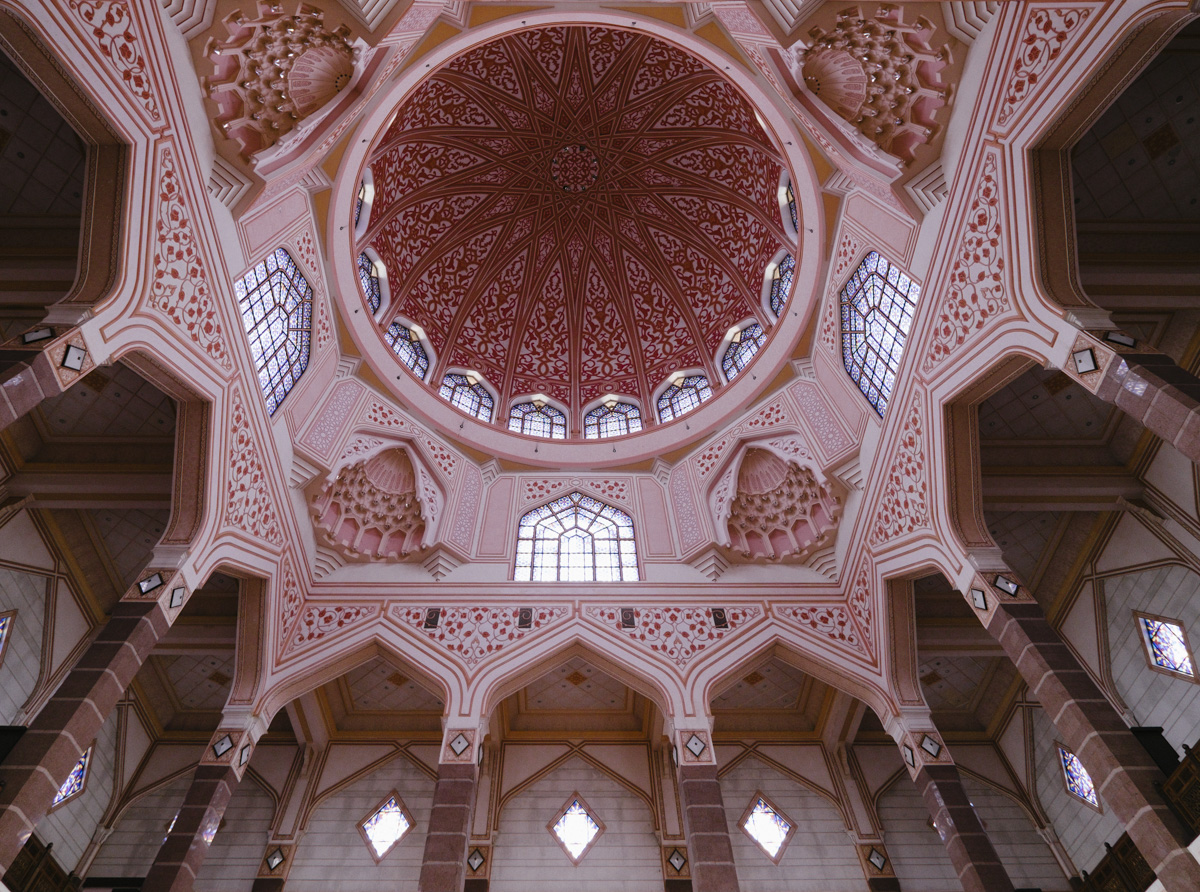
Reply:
x=575 y=211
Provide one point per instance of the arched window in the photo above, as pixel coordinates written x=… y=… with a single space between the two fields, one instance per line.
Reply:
x=362 y=203
x=741 y=349
x=683 y=396
x=368 y=277
x=576 y=539
x=877 y=309
x=276 y=304
x=406 y=344
x=781 y=283
x=359 y=202
x=612 y=420
x=790 y=195
x=466 y=394
x=537 y=419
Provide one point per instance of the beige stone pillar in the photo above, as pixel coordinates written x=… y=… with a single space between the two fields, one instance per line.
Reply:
x=443 y=864
x=1124 y=774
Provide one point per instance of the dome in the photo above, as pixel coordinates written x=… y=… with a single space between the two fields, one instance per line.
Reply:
x=575 y=211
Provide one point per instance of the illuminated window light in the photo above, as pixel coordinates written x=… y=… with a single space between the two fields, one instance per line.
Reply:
x=877 y=306
x=742 y=349
x=276 y=303
x=1166 y=645
x=536 y=420
x=575 y=828
x=613 y=419
x=385 y=826
x=684 y=395
x=770 y=829
x=576 y=538
x=75 y=781
x=1075 y=776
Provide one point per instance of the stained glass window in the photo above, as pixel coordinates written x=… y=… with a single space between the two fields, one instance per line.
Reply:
x=791 y=200
x=1166 y=645
x=616 y=420
x=575 y=829
x=781 y=283
x=407 y=345
x=73 y=785
x=537 y=421
x=877 y=305
x=359 y=202
x=368 y=277
x=276 y=304
x=576 y=539
x=742 y=349
x=764 y=824
x=468 y=395
x=6 y=625
x=1079 y=782
x=683 y=396
x=386 y=826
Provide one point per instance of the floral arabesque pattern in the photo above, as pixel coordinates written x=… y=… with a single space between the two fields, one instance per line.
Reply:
x=1046 y=33
x=113 y=28
x=828 y=621
x=476 y=633
x=318 y=622
x=904 y=506
x=680 y=634
x=248 y=504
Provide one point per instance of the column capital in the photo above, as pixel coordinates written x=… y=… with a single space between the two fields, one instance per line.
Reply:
x=232 y=744
x=166 y=585
x=691 y=741
x=918 y=739
x=462 y=741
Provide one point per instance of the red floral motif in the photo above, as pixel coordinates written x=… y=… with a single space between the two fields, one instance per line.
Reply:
x=904 y=506
x=608 y=488
x=440 y=454
x=771 y=415
x=179 y=287
x=829 y=621
x=678 y=633
x=847 y=252
x=317 y=622
x=476 y=633
x=291 y=599
x=113 y=28
x=248 y=504
x=976 y=292
x=1046 y=33
x=860 y=603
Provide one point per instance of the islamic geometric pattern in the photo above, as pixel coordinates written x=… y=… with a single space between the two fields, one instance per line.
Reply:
x=467 y=395
x=276 y=304
x=537 y=421
x=576 y=539
x=683 y=396
x=405 y=344
x=369 y=279
x=742 y=349
x=781 y=283
x=616 y=420
x=877 y=310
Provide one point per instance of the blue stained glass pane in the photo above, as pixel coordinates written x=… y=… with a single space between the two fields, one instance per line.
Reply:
x=405 y=344
x=1079 y=782
x=576 y=538
x=1168 y=648
x=683 y=396
x=369 y=281
x=358 y=203
x=386 y=827
x=537 y=421
x=781 y=283
x=742 y=350
x=877 y=306
x=767 y=827
x=791 y=200
x=612 y=421
x=276 y=305
x=5 y=627
x=473 y=399
x=74 y=782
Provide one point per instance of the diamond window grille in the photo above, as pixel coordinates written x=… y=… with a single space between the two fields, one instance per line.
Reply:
x=781 y=283
x=368 y=277
x=741 y=350
x=616 y=420
x=276 y=303
x=1166 y=645
x=576 y=538
x=76 y=780
x=537 y=421
x=1075 y=776
x=407 y=345
x=576 y=828
x=877 y=306
x=466 y=394
x=385 y=826
x=770 y=829
x=683 y=396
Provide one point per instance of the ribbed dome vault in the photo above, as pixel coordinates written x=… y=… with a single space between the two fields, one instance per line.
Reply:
x=574 y=211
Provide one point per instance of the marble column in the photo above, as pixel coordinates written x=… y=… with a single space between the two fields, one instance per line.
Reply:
x=443 y=864
x=954 y=818
x=705 y=826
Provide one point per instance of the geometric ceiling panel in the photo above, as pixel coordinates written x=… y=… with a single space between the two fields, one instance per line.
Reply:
x=1043 y=404
x=129 y=536
x=774 y=685
x=575 y=211
x=952 y=682
x=378 y=686
x=110 y=402
x=1022 y=536
x=200 y=683
x=576 y=686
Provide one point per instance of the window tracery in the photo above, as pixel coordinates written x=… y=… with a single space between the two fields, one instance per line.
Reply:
x=614 y=419
x=368 y=277
x=276 y=303
x=406 y=344
x=1166 y=645
x=684 y=395
x=576 y=539
x=537 y=419
x=742 y=348
x=6 y=624
x=781 y=283
x=76 y=780
x=466 y=394
x=877 y=306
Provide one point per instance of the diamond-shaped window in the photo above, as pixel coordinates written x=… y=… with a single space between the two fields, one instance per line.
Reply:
x=385 y=826
x=767 y=826
x=576 y=828
x=75 y=781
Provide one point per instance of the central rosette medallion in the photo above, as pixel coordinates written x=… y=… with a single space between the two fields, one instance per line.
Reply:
x=574 y=168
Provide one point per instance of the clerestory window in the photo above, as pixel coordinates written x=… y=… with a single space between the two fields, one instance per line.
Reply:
x=1166 y=645
x=877 y=305
x=76 y=780
x=742 y=347
x=385 y=826
x=276 y=303
x=575 y=828
x=767 y=826
x=467 y=394
x=406 y=344
x=684 y=395
x=576 y=539
x=781 y=283
x=613 y=419
x=537 y=419
x=790 y=196
x=1075 y=776
x=6 y=626
x=368 y=277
